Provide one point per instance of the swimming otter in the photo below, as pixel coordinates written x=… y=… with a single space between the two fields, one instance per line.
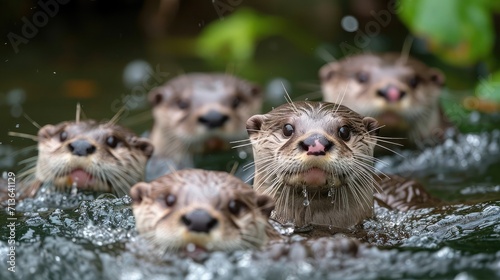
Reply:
x=402 y=94
x=315 y=160
x=199 y=113
x=101 y=157
x=209 y=210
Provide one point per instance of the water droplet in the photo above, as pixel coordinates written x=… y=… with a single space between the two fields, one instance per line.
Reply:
x=349 y=23
x=306 y=202
x=242 y=154
x=304 y=191
x=74 y=189
x=330 y=192
x=190 y=247
x=17 y=125
x=288 y=228
x=55 y=72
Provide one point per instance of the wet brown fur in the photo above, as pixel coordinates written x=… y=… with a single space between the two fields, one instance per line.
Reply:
x=179 y=104
x=280 y=164
x=114 y=169
x=160 y=221
x=417 y=117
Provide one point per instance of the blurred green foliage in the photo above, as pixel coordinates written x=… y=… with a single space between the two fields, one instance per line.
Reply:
x=489 y=89
x=459 y=31
x=234 y=38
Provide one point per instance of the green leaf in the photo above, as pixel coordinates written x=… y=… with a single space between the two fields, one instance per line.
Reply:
x=459 y=31
x=489 y=89
x=235 y=37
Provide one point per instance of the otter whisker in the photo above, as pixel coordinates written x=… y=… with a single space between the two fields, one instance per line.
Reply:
x=23 y=135
x=137 y=118
x=32 y=121
x=385 y=148
x=117 y=116
x=288 y=98
x=239 y=141
x=405 y=51
x=78 y=111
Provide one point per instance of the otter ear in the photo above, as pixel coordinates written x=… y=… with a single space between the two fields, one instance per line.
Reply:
x=144 y=145
x=139 y=191
x=46 y=131
x=371 y=126
x=265 y=204
x=327 y=71
x=255 y=90
x=159 y=94
x=254 y=123
x=437 y=76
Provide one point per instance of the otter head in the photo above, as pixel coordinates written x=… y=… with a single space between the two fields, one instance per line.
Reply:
x=202 y=111
x=204 y=210
x=91 y=156
x=402 y=94
x=315 y=160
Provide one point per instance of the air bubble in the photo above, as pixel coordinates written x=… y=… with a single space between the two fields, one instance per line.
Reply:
x=190 y=247
x=242 y=154
x=349 y=23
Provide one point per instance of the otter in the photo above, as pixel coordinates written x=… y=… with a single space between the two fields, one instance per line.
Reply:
x=402 y=94
x=91 y=156
x=199 y=113
x=208 y=210
x=316 y=160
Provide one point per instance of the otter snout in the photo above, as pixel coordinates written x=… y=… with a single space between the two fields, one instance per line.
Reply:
x=213 y=119
x=199 y=221
x=81 y=148
x=391 y=93
x=316 y=145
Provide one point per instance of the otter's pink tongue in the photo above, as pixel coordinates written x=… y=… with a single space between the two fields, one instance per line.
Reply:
x=315 y=177
x=81 y=178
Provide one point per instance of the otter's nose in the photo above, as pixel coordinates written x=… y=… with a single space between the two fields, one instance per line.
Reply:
x=81 y=148
x=391 y=93
x=213 y=119
x=316 y=145
x=199 y=221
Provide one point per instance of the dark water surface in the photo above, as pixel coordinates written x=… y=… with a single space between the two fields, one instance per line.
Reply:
x=96 y=239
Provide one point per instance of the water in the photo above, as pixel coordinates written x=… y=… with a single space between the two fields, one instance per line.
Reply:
x=91 y=237
x=83 y=236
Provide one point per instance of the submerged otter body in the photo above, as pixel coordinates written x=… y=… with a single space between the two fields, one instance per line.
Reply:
x=89 y=156
x=402 y=94
x=200 y=113
x=209 y=210
x=315 y=160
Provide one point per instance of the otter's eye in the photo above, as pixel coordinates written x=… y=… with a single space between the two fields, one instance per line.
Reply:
x=235 y=206
x=414 y=81
x=236 y=102
x=63 y=136
x=170 y=200
x=288 y=130
x=345 y=133
x=112 y=141
x=182 y=104
x=362 y=77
